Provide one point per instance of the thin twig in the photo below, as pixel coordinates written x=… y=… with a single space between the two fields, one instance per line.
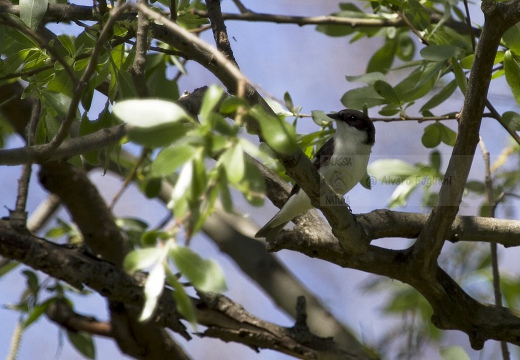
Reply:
x=18 y=217
x=43 y=43
x=218 y=57
x=173 y=10
x=493 y=246
x=15 y=341
x=412 y=28
x=43 y=213
x=498 y=117
x=69 y=148
x=240 y=6
x=395 y=21
x=470 y=28
x=129 y=178
x=84 y=81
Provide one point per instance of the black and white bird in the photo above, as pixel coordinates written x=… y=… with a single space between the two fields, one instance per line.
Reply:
x=342 y=161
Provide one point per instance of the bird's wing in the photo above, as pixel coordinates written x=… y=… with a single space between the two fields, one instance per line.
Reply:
x=323 y=154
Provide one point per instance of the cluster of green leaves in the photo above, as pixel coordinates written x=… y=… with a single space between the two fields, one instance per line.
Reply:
x=442 y=62
x=430 y=76
x=201 y=158
x=34 y=301
x=203 y=275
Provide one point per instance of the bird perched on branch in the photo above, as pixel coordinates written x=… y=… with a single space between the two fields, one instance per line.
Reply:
x=342 y=161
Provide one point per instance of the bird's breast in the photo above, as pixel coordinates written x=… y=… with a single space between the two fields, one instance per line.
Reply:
x=346 y=167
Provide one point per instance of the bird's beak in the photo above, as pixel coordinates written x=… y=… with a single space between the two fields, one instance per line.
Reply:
x=333 y=116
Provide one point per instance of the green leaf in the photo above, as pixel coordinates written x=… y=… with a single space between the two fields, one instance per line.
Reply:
x=436 y=160
x=453 y=353
x=182 y=186
x=8 y=267
x=383 y=58
x=512 y=120
x=443 y=95
x=476 y=187
x=170 y=159
x=67 y=42
x=277 y=108
x=512 y=39
x=288 y=101
x=204 y=275
x=512 y=69
x=141 y=259
x=467 y=62
x=402 y=193
x=277 y=133
x=152 y=122
x=88 y=127
x=253 y=185
x=230 y=104
x=366 y=181
x=82 y=341
x=60 y=103
x=448 y=136
x=33 y=283
x=211 y=99
x=406 y=47
x=431 y=136
x=320 y=118
x=420 y=82
x=234 y=162
x=36 y=312
x=460 y=77
x=368 y=78
x=225 y=194
x=362 y=97
x=387 y=91
x=417 y=14
x=183 y=301
x=335 y=30
x=440 y=52
x=388 y=169
x=125 y=86
x=153 y=288
x=33 y=11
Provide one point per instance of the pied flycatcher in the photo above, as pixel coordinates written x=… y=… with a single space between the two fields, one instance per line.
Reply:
x=342 y=161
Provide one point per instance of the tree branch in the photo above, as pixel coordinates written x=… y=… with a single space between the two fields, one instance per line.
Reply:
x=499 y=17
x=453 y=308
x=395 y=21
x=223 y=317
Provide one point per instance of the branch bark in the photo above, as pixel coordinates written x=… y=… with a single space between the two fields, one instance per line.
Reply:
x=498 y=18
x=224 y=318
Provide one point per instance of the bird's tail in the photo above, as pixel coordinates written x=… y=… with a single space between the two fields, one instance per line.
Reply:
x=270 y=229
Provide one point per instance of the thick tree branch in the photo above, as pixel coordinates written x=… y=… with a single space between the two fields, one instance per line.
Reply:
x=58 y=12
x=498 y=18
x=222 y=316
x=453 y=308
x=297 y=165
